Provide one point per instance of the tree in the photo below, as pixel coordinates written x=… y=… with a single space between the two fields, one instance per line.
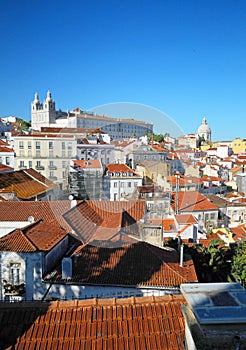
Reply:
x=212 y=263
x=238 y=268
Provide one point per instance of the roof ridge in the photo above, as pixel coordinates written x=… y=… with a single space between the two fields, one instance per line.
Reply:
x=34 y=178
x=19 y=231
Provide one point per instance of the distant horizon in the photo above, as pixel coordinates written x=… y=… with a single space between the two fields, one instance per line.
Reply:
x=184 y=59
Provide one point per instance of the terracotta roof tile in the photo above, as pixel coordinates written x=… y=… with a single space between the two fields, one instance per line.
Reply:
x=185 y=219
x=26 y=184
x=193 y=201
x=134 y=323
x=124 y=266
x=6 y=149
x=88 y=164
x=91 y=219
x=38 y=236
x=16 y=241
x=46 y=210
x=119 y=168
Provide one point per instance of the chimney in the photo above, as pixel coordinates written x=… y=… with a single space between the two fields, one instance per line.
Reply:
x=181 y=255
x=66 y=268
x=73 y=202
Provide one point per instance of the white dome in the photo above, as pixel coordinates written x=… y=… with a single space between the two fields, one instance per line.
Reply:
x=204 y=128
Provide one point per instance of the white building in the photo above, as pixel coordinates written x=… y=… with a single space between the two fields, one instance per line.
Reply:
x=7 y=154
x=45 y=114
x=120 y=182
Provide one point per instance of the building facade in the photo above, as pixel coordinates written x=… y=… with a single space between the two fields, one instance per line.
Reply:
x=120 y=182
x=44 y=114
x=48 y=154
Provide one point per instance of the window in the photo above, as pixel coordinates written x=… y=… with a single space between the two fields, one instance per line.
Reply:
x=37 y=144
x=64 y=164
x=64 y=174
x=15 y=273
x=50 y=145
x=7 y=160
x=51 y=163
x=52 y=174
x=30 y=164
x=22 y=164
x=63 y=145
x=115 y=196
x=38 y=163
x=115 y=184
x=129 y=184
x=21 y=145
x=29 y=145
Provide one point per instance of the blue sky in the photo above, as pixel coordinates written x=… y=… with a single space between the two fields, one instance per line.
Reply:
x=186 y=59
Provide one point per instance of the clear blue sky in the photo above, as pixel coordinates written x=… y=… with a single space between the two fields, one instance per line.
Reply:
x=184 y=58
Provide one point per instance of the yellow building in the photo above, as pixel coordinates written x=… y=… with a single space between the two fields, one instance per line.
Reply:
x=238 y=145
x=48 y=154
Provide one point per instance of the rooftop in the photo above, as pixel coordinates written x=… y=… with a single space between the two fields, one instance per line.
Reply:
x=123 y=265
x=105 y=220
x=40 y=236
x=26 y=184
x=154 y=323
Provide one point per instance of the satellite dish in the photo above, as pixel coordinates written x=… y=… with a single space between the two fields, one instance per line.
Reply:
x=70 y=197
x=30 y=219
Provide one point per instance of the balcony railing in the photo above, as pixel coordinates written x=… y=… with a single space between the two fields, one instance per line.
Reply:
x=22 y=167
x=39 y=167
x=52 y=167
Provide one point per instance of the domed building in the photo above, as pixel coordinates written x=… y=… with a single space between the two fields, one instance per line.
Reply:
x=204 y=131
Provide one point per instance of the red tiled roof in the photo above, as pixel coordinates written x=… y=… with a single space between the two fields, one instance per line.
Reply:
x=3 y=143
x=89 y=217
x=38 y=236
x=6 y=149
x=45 y=129
x=16 y=241
x=169 y=224
x=139 y=264
x=192 y=201
x=5 y=168
x=146 y=323
x=239 y=232
x=185 y=219
x=46 y=135
x=46 y=210
x=26 y=184
x=88 y=164
x=184 y=180
x=119 y=168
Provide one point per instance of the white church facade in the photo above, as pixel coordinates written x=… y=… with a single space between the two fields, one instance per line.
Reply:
x=45 y=115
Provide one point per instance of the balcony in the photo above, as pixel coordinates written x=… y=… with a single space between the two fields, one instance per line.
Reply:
x=22 y=167
x=39 y=167
x=52 y=167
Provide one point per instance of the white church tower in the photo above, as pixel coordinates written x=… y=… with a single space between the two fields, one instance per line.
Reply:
x=43 y=114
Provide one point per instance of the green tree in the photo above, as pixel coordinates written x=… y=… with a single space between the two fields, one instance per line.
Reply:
x=212 y=263
x=238 y=268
